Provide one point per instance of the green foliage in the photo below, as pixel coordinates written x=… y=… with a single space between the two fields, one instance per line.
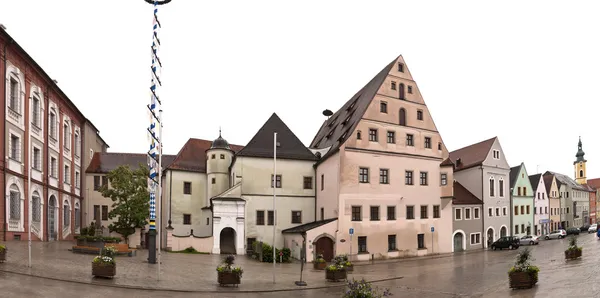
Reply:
x=523 y=263
x=190 y=250
x=267 y=254
x=2 y=248
x=320 y=259
x=342 y=260
x=129 y=193
x=228 y=267
x=106 y=257
x=573 y=244
x=91 y=230
x=98 y=238
x=364 y=289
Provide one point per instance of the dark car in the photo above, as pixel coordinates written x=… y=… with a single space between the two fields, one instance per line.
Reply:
x=510 y=242
x=573 y=231
x=584 y=228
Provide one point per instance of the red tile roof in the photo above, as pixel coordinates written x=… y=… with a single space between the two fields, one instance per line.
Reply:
x=471 y=156
x=192 y=157
x=463 y=196
x=594 y=183
x=104 y=162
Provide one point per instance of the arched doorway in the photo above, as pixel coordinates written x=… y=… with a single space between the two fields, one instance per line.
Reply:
x=227 y=241
x=503 y=231
x=52 y=218
x=458 y=242
x=324 y=246
x=490 y=236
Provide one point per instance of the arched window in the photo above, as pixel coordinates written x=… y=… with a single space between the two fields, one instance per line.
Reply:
x=66 y=214
x=492 y=182
x=581 y=173
x=67 y=135
x=36 y=208
x=77 y=216
x=36 y=111
x=77 y=146
x=401 y=91
x=402 y=117
x=501 y=187
x=15 y=203
x=53 y=122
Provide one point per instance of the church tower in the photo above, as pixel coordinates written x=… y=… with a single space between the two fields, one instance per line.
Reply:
x=219 y=158
x=579 y=165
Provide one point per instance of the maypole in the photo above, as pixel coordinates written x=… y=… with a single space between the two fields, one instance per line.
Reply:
x=155 y=152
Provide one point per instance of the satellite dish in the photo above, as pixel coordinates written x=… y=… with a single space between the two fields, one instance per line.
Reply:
x=327 y=113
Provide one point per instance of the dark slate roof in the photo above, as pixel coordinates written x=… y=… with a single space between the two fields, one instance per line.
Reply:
x=103 y=163
x=548 y=182
x=463 y=196
x=472 y=155
x=307 y=227
x=290 y=147
x=535 y=181
x=339 y=127
x=514 y=175
x=192 y=156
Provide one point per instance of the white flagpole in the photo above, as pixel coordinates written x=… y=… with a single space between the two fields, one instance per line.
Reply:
x=274 y=196
x=29 y=181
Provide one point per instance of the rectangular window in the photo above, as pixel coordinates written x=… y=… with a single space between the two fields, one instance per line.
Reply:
x=187 y=219
x=516 y=210
x=516 y=229
x=372 y=135
x=392 y=243
x=296 y=217
x=362 y=244
x=444 y=179
x=222 y=156
x=522 y=209
x=423 y=178
x=410 y=212
x=419 y=113
x=322 y=181
x=15 y=147
x=322 y=213
x=409 y=140
x=393 y=87
x=421 y=241
x=260 y=217
x=428 y=142
x=307 y=183
x=476 y=213
x=410 y=89
x=475 y=238
x=104 y=180
x=400 y=67
x=187 y=188
x=77 y=178
x=53 y=167
x=104 y=212
x=490 y=212
x=408 y=177
x=96 y=182
x=497 y=211
x=363 y=175
x=522 y=228
x=467 y=213
x=528 y=209
x=96 y=212
x=67 y=175
x=37 y=159
x=519 y=191
x=436 y=211
x=356 y=213
x=501 y=188
x=270 y=217
x=383 y=107
x=391 y=212
x=53 y=125
x=457 y=214
x=374 y=213
x=277 y=181
x=13 y=104
x=384 y=176
x=391 y=137
x=424 y=211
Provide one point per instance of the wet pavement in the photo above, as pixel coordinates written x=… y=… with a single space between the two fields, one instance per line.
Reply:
x=476 y=274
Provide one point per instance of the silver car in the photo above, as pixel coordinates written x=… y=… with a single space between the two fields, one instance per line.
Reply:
x=529 y=240
x=593 y=229
x=558 y=234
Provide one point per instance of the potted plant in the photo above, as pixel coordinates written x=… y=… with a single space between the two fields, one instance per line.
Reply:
x=2 y=253
x=342 y=260
x=523 y=275
x=335 y=272
x=362 y=288
x=227 y=274
x=573 y=251
x=319 y=263
x=104 y=265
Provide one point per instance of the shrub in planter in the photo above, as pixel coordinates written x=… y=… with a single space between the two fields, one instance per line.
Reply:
x=227 y=274
x=523 y=275
x=364 y=289
x=335 y=272
x=573 y=251
x=267 y=254
x=342 y=260
x=104 y=265
x=2 y=253
x=319 y=263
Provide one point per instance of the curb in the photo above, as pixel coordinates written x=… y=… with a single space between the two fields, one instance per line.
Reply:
x=338 y=285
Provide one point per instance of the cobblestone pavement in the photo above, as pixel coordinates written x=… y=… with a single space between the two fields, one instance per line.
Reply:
x=479 y=274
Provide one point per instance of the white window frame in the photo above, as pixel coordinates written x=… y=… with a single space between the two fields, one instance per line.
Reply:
x=53 y=129
x=16 y=115
x=470 y=213
x=20 y=226
x=67 y=174
x=479 y=212
x=471 y=238
x=501 y=193
x=492 y=183
x=460 y=213
x=36 y=165
x=77 y=139
x=492 y=212
x=496 y=154
x=498 y=211
x=504 y=211
x=77 y=179
x=67 y=134
x=53 y=170
x=19 y=149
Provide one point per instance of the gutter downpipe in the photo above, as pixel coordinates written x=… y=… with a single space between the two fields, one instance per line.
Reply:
x=5 y=224
x=483 y=211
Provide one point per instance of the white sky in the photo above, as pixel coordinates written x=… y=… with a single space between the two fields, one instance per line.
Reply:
x=525 y=71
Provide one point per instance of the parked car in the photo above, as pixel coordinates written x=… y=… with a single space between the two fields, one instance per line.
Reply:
x=573 y=231
x=529 y=240
x=510 y=242
x=593 y=229
x=558 y=234
x=584 y=228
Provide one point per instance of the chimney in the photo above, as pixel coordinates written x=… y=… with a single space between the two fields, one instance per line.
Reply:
x=458 y=162
x=55 y=82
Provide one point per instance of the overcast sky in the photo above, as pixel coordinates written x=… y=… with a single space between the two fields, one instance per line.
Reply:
x=525 y=71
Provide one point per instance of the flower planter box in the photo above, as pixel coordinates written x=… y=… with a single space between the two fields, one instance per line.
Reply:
x=229 y=278
x=320 y=266
x=522 y=280
x=3 y=256
x=572 y=254
x=336 y=275
x=104 y=270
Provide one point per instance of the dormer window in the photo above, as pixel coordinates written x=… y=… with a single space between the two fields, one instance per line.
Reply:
x=346 y=121
x=400 y=67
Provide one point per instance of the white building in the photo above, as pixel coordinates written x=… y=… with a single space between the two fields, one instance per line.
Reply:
x=541 y=205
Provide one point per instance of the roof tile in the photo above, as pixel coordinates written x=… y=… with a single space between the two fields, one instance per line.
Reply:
x=192 y=156
x=472 y=155
x=463 y=196
x=104 y=162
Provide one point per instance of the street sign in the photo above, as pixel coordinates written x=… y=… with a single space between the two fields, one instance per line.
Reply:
x=432 y=229
x=351 y=232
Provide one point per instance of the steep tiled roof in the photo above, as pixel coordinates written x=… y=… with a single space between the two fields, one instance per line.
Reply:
x=192 y=156
x=447 y=163
x=514 y=175
x=338 y=128
x=548 y=183
x=290 y=147
x=307 y=227
x=564 y=179
x=106 y=162
x=594 y=183
x=472 y=155
x=463 y=196
x=535 y=181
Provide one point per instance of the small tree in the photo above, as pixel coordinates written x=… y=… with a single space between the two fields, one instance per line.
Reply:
x=129 y=193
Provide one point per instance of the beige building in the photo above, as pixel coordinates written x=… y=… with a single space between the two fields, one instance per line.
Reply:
x=553 y=201
x=382 y=174
x=92 y=143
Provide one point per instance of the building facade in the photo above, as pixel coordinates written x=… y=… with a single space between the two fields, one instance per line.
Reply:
x=467 y=220
x=553 y=201
x=540 y=206
x=522 y=219
x=568 y=188
x=483 y=170
x=36 y=109
x=92 y=143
